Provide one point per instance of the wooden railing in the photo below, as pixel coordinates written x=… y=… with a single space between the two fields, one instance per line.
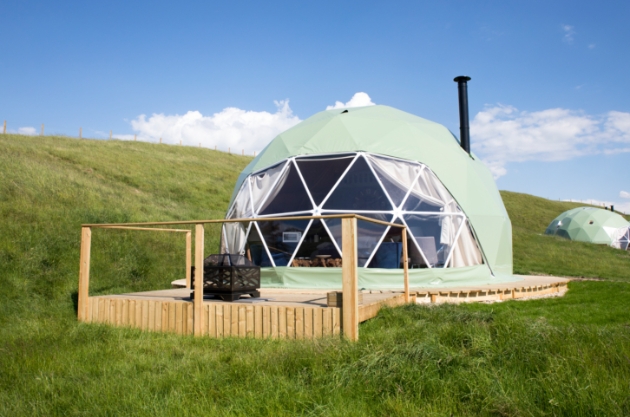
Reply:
x=349 y=272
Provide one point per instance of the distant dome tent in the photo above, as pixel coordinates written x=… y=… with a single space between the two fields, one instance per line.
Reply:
x=379 y=162
x=593 y=225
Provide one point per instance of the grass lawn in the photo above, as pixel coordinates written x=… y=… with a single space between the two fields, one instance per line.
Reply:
x=562 y=356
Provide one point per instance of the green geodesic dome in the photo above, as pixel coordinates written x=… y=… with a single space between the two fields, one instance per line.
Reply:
x=588 y=224
x=375 y=131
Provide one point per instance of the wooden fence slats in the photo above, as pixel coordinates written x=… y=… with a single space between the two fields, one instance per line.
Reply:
x=171 y=317
x=266 y=322
x=220 y=320
x=151 y=306
x=317 y=322
x=94 y=304
x=274 y=321
x=327 y=322
x=282 y=322
x=308 y=323
x=242 y=321
x=250 y=321
x=158 y=316
x=145 y=314
x=336 y=321
x=189 y=318
x=299 y=323
x=258 y=322
x=212 y=320
x=291 y=323
x=234 y=320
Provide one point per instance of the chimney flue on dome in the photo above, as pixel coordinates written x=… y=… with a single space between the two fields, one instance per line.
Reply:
x=464 y=130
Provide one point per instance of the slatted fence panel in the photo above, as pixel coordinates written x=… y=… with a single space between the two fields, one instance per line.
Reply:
x=221 y=320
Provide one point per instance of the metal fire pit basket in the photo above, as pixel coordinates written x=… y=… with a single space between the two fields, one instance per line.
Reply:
x=229 y=276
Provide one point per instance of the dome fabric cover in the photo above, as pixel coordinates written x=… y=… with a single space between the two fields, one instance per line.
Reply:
x=382 y=130
x=590 y=224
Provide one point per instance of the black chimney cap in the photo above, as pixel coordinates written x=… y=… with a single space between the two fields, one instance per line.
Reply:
x=461 y=78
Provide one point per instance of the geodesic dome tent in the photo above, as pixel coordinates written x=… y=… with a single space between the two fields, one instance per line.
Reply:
x=381 y=163
x=593 y=225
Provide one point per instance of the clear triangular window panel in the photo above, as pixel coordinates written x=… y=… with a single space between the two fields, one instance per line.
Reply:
x=465 y=251
x=242 y=206
x=429 y=194
x=256 y=250
x=321 y=174
x=418 y=202
x=262 y=183
x=368 y=234
x=235 y=238
x=317 y=248
x=368 y=237
x=334 y=225
x=358 y=190
x=289 y=195
x=282 y=238
x=388 y=255
x=434 y=236
x=396 y=176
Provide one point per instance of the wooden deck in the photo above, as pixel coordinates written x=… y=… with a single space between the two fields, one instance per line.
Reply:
x=289 y=314
x=530 y=286
x=277 y=314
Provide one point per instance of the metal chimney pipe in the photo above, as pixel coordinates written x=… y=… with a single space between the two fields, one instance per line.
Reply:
x=464 y=130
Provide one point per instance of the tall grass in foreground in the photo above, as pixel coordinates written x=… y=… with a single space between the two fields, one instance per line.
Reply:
x=565 y=356
x=460 y=360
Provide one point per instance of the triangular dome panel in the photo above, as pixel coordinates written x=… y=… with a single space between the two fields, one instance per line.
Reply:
x=288 y=195
x=358 y=191
x=321 y=174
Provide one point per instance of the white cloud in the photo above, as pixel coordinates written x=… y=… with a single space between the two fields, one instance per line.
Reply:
x=503 y=134
x=624 y=194
x=27 y=131
x=569 y=33
x=591 y=46
x=230 y=128
x=358 y=100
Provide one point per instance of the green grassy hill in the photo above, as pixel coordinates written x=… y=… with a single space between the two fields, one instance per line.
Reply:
x=566 y=356
x=536 y=253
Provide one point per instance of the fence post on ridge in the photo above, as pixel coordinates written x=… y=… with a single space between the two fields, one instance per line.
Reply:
x=349 y=276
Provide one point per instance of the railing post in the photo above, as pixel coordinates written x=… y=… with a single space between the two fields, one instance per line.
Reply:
x=188 y=258
x=198 y=300
x=350 y=304
x=84 y=274
x=405 y=263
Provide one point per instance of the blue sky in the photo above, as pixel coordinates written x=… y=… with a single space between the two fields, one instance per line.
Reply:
x=549 y=89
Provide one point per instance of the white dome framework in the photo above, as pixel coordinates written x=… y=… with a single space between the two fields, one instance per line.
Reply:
x=621 y=238
x=377 y=186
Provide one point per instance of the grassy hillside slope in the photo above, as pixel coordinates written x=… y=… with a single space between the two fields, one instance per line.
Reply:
x=537 y=253
x=566 y=356
x=50 y=186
